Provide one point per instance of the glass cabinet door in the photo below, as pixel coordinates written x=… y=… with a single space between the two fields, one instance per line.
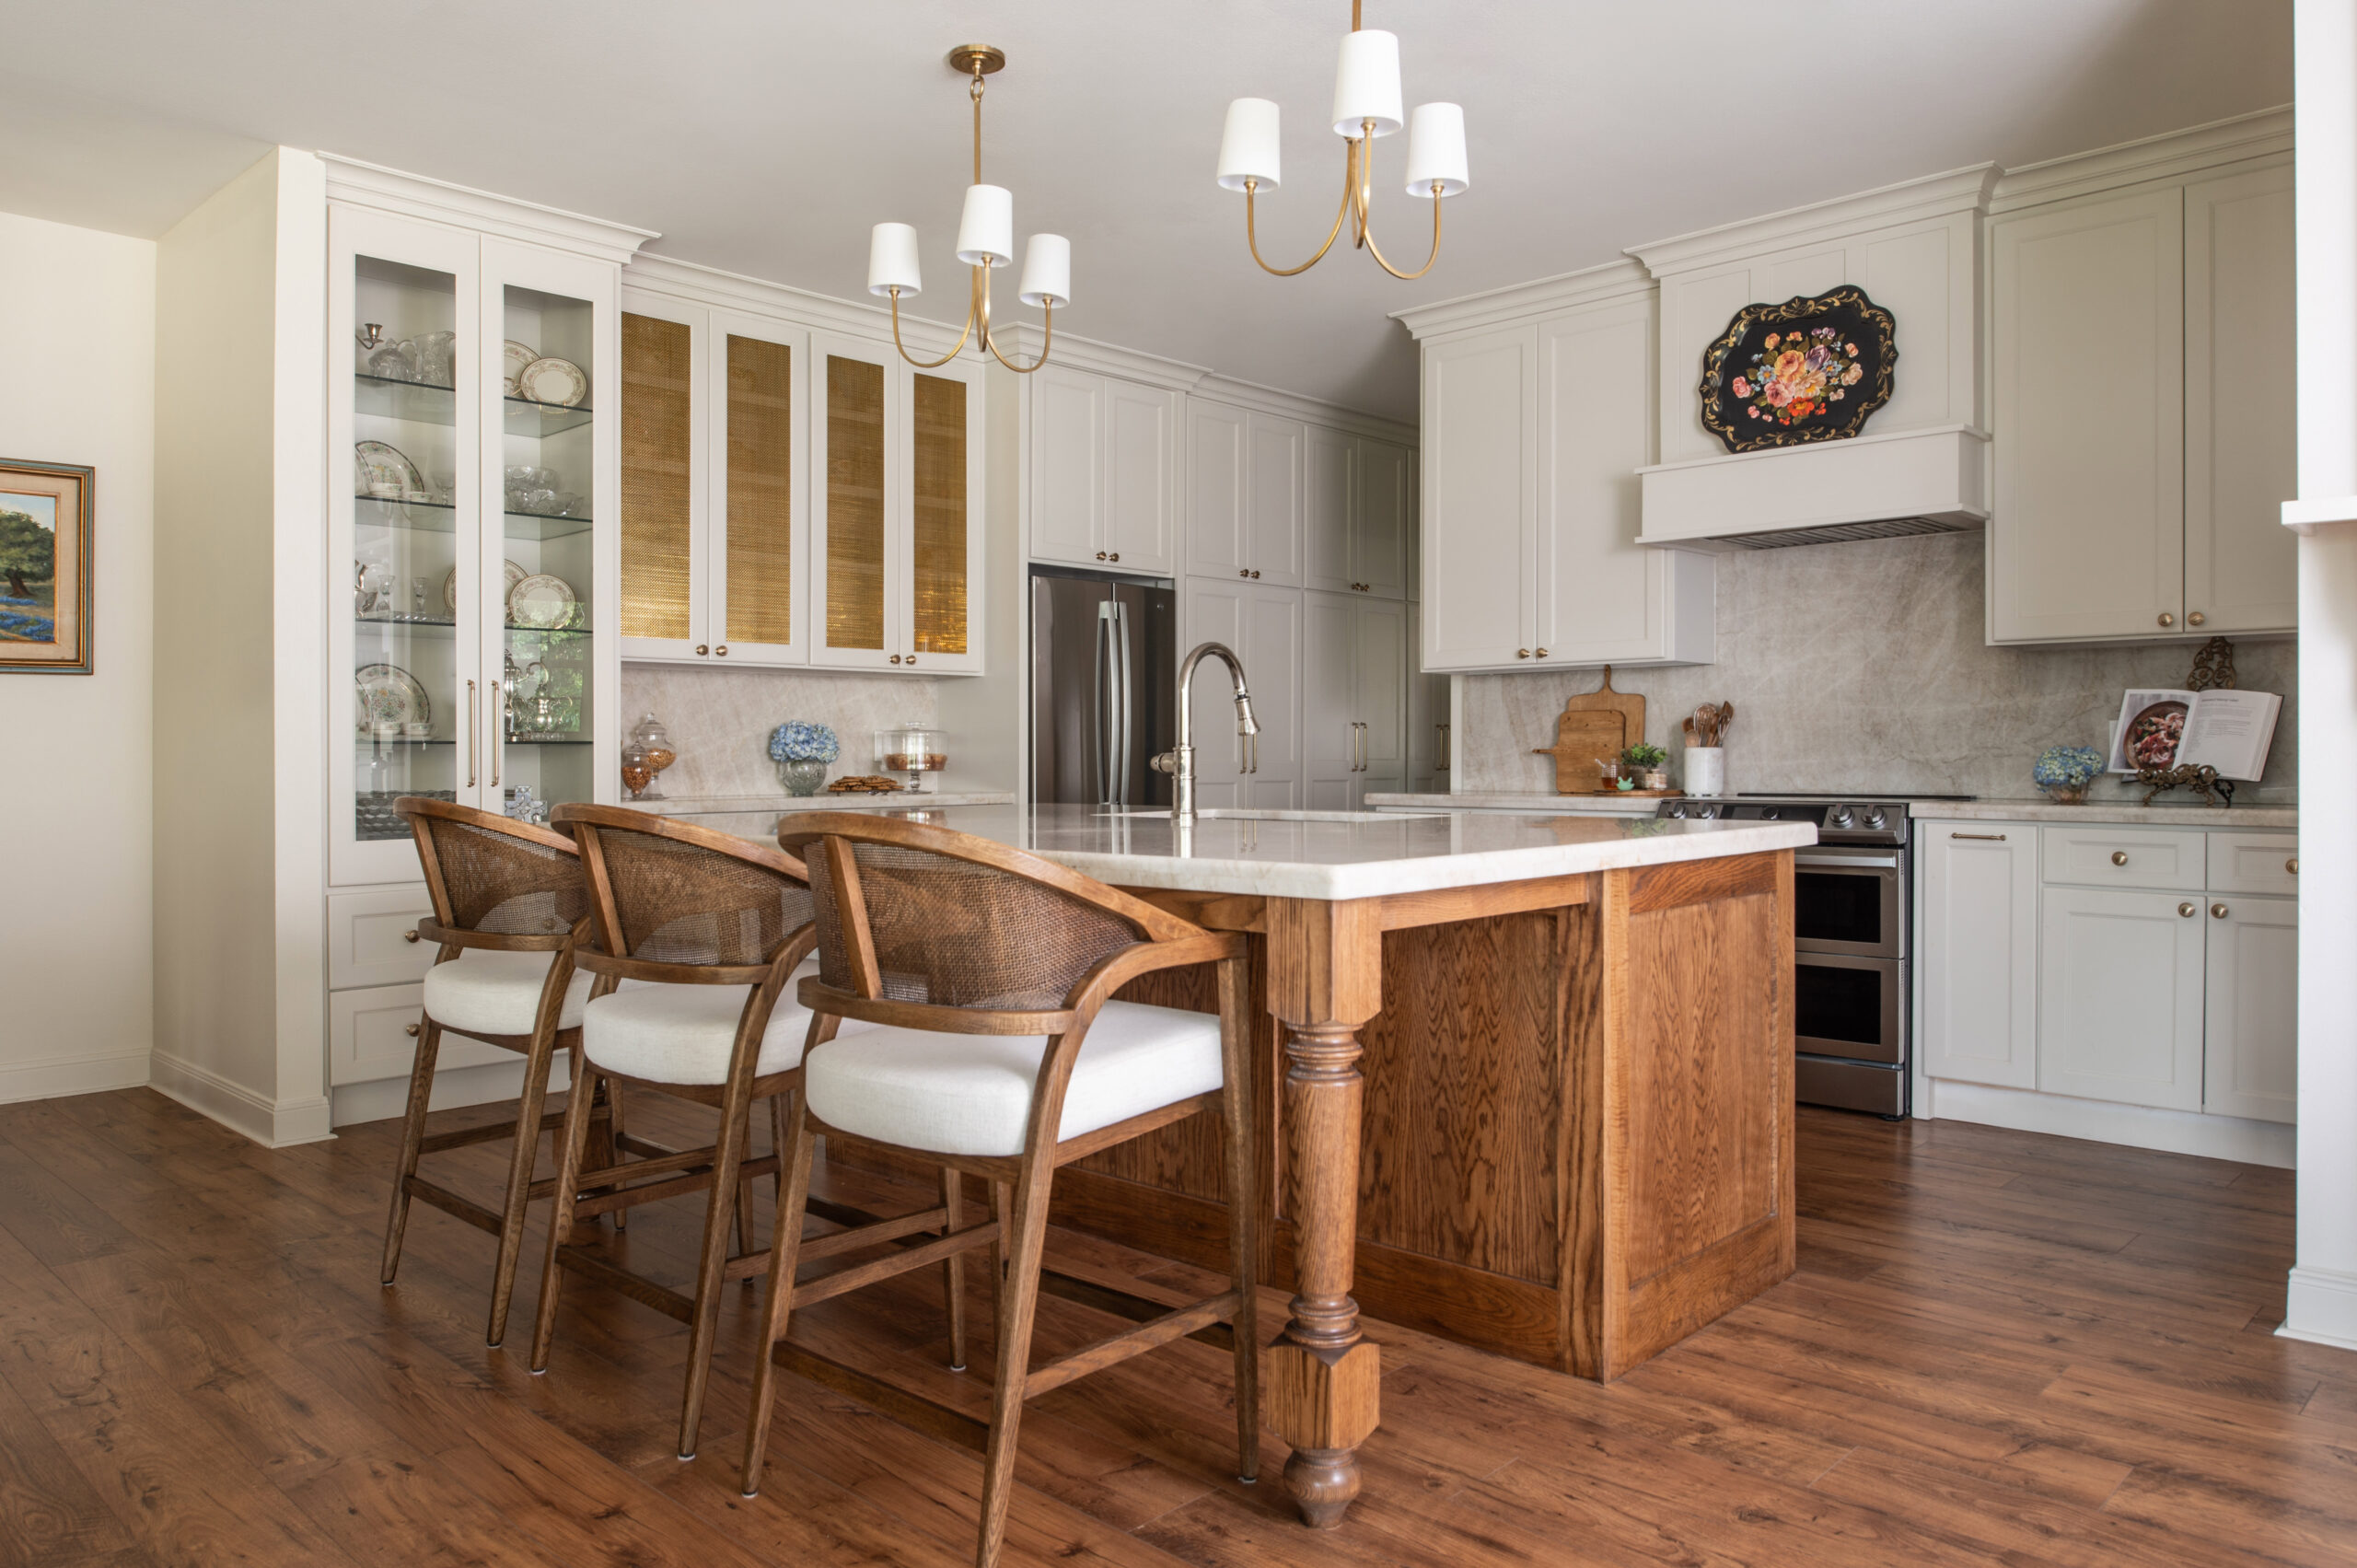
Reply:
x=546 y=456
x=403 y=569
x=855 y=431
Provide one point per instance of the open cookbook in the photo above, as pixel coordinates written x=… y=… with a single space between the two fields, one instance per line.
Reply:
x=2221 y=728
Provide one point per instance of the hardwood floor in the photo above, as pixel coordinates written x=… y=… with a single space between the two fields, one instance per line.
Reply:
x=1998 y=1347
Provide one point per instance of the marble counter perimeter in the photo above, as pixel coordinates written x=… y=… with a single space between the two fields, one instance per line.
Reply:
x=701 y=806
x=1332 y=855
x=1499 y=800
x=2257 y=817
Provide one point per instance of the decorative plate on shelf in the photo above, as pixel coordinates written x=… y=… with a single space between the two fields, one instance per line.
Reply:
x=541 y=601
x=508 y=569
x=1810 y=370
x=381 y=472
x=513 y=357
x=388 y=694
x=551 y=380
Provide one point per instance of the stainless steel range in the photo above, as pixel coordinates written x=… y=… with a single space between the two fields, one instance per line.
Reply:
x=1853 y=945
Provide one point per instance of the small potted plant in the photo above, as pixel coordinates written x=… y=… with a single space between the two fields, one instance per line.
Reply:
x=1643 y=765
x=802 y=752
x=2065 y=771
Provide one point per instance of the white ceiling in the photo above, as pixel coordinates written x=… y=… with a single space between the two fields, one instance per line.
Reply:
x=764 y=137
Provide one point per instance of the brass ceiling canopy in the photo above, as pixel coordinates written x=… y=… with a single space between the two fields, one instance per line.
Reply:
x=976 y=60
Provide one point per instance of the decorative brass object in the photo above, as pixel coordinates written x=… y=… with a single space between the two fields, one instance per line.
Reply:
x=2214 y=670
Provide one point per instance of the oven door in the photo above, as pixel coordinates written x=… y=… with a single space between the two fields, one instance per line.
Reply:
x=1847 y=901
x=1853 y=1008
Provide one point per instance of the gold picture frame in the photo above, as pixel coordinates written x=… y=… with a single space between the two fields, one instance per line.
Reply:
x=45 y=567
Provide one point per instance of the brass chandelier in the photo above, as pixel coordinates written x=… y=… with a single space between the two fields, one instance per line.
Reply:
x=985 y=242
x=1367 y=105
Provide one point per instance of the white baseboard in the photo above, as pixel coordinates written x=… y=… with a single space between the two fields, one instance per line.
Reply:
x=271 y=1123
x=53 y=1077
x=2138 y=1126
x=453 y=1087
x=2321 y=1307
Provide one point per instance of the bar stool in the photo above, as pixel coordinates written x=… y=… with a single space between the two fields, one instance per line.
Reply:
x=985 y=977
x=507 y=898
x=697 y=935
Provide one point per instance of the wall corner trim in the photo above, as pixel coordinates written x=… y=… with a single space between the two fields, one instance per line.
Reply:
x=273 y=1124
x=2321 y=1307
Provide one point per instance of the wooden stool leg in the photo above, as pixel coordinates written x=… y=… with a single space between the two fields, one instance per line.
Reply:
x=519 y=1183
x=718 y=1220
x=571 y=1140
x=1236 y=1113
x=1019 y=1300
x=785 y=1245
x=421 y=1092
x=745 y=1196
x=953 y=1193
x=613 y=1093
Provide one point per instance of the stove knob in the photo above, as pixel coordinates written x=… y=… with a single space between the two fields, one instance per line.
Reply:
x=1707 y=812
x=1873 y=816
x=1770 y=813
x=1677 y=810
x=1839 y=817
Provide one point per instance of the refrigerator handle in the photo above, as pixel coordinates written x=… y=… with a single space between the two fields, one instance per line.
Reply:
x=1101 y=649
x=1125 y=699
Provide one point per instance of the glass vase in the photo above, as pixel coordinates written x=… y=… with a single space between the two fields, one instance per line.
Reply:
x=801 y=777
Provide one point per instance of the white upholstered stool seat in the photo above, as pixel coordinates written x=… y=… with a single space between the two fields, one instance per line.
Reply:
x=681 y=1034
x=486 y=990
x=968 y=1093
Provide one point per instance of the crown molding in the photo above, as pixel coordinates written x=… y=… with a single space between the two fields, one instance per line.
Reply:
x=1310 y=411
x=2173 y=154
x=414 y=196
x=1952 y=191
x=1024 y=339
x=1619 y=279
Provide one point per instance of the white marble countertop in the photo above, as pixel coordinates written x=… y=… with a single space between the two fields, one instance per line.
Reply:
x=2110 y=813
x=1337 y=855
x=705 y=805
x=1498 y=800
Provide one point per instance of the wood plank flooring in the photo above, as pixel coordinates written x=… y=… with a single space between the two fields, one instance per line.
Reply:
x=1999 y=1347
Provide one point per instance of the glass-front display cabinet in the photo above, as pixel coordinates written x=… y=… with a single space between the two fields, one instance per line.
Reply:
x=470 y=577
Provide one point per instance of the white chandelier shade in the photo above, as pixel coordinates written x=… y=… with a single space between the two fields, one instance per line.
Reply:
x=986 y=232
x=1047 y=272
x=1248 y=150
x=1436 y=150
x=892 y=259
x=1366 y=85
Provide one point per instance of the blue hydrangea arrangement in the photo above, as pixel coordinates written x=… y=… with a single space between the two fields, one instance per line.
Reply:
x=795 y=741
x=2064 y=771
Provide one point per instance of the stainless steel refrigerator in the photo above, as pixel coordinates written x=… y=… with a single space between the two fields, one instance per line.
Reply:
x=1104 y=652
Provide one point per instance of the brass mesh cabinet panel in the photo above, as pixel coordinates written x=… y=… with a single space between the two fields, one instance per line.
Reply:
x=854 y=504
x=938 y=554
x=654 y=507
x=761 y=505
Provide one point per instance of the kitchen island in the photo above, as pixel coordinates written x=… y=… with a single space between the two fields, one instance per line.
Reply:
x=1522 y=1082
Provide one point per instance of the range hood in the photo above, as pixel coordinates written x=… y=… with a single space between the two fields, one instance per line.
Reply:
x=1899 y=485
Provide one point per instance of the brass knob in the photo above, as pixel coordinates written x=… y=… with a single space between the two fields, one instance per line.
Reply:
x=2188 y=910
x=1522 y=653
x=722 y=651
x=409 y=1031
x=2195 y=618
x=1256 y=574
x=701 y=649
x=1542 y=653
x=2293 y=865
x=409 y=935
x=911 y=658
x=1115 y=556
x=2119 y=858
x=2166 y=619
x=1100 y=555
x=2217 y=912
x=896 y=658
x=1243 y=571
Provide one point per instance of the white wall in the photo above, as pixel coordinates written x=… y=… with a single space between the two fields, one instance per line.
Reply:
x=78 y=341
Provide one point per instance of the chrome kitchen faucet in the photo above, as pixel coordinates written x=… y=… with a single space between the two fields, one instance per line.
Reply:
x=1179 y=761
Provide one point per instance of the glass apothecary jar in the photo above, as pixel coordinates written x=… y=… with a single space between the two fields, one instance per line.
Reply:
x=914 y=753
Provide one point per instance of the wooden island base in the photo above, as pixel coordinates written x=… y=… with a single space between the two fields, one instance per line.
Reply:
x=1576 y=1129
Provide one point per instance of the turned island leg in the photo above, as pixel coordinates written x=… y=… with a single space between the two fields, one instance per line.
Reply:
x=1322 y=1379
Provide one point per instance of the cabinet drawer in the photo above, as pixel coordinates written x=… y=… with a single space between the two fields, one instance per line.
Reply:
x=368 y=1038
x=2166 y=859
x=2254 y=863
x=367 y=937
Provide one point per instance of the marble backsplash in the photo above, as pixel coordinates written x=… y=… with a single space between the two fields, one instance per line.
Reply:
x=720 y=718
x=1861 y=667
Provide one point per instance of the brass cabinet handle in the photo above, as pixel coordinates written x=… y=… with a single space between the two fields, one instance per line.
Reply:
x=1243 y=571
x=704 y=650
x=722 y=651
x=2119 y=858
x=896 y=658
x=1100 y=555
x=2166 y=619
x=910 y=659
x=1115 y=556
x=1255 y=574
x=2217 y=912
x=471 y=734
x=410 y=1029
x=1542 y=653
x=2189 y=910
x=2293 y=865
x=1522 y=653
x=1993 y=837
x=2195 y=618
x=410 y=936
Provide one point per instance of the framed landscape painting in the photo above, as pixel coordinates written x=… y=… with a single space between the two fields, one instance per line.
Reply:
x=45 y=568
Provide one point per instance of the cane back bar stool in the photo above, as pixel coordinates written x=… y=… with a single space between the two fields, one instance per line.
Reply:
x=698 y=935
x=985 y=977
x=508 y=898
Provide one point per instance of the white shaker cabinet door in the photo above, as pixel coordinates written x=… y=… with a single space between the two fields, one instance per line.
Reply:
x=1218 y=467
x=2252 y=1058
x=1330 y=508
x=1212 y=611
x=1277 y=500
x=1379 y=516
x=1379 y=694
x=1273 y=662
x=1139 y=531
x=1329 y=711
x=1976 y=954
x=1480 y=515
x=2119 y=1013
x=1066 y=483
x=2087 y=535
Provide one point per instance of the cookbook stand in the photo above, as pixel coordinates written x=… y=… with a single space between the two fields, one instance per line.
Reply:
x=2214 y=669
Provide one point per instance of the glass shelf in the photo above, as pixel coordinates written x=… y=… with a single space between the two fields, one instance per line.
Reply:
x=441 y=516
x=449 y=628
x=419 y=403
x=370 y=740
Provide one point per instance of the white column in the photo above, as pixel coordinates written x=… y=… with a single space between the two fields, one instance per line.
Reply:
x=2323 y=1296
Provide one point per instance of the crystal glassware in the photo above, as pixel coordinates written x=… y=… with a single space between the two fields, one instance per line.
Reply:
x=654 y=743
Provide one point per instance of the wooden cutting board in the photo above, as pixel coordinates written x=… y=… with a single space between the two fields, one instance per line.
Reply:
x=1602 y=723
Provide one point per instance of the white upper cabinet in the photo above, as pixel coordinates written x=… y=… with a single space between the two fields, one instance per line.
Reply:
x=2241 y=565
x=2142 y=348
x=1533 y=435
x=1358 y=515
x=1276 y=485
x=1328 y=541
x=1218 y=462
x=1101 y=472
